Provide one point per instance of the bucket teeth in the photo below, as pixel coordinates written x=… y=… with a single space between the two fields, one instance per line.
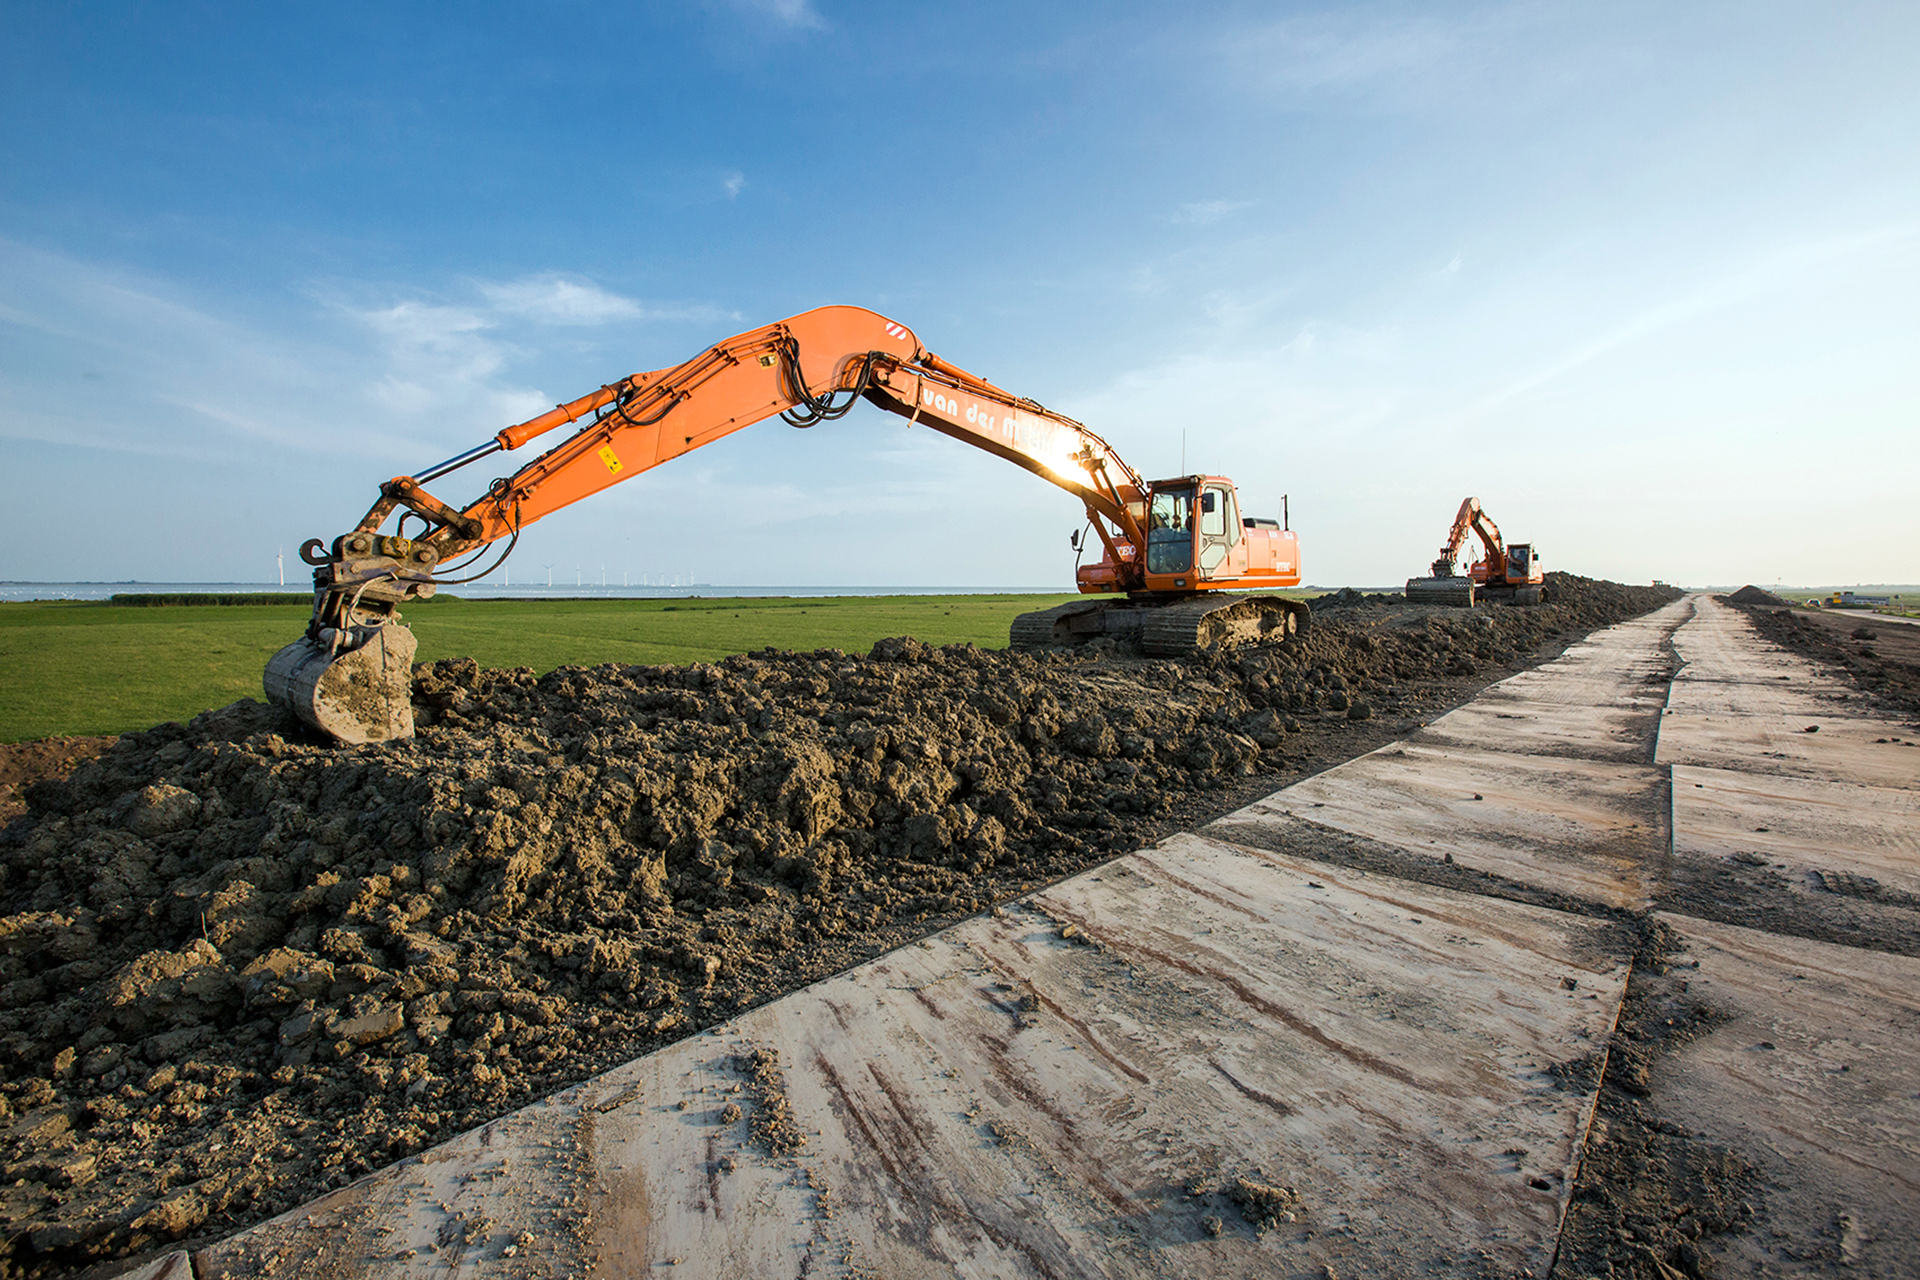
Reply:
x=360 y=695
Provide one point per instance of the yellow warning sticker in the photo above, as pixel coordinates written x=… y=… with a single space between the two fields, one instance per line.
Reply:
x=608 y=456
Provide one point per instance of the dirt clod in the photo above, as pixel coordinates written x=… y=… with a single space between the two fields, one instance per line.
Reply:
x=772 y=1125
x=1263 y=1204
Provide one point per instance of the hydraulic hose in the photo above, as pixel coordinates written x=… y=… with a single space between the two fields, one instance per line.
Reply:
x=820 y=408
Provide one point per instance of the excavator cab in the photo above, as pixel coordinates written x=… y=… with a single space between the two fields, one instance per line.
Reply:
x=1193 y=527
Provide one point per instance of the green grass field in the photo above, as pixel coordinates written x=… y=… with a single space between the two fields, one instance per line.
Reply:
x=1906 y=596
x=79 y=667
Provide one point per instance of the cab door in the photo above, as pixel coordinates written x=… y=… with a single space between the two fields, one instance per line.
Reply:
x=1219 y=532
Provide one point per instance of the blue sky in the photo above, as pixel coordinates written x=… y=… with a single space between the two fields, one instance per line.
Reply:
x=1643 y=277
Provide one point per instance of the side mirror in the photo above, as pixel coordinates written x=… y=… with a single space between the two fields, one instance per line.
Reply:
x=1073 y=539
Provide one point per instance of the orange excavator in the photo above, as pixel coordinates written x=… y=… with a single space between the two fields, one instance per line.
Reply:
x=1177 y=557
x=1508 y=573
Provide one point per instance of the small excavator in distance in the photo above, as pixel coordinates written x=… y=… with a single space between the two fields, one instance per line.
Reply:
x=1511 y=574
x=1177 y=556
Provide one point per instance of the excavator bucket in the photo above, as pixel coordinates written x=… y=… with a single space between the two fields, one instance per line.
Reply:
x=359 y=695
x=1454 y=592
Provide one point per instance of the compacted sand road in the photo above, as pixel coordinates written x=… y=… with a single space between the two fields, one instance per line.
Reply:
x=1612 y=969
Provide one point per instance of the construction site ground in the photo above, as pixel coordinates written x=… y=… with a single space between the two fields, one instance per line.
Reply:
x=1360 y=1023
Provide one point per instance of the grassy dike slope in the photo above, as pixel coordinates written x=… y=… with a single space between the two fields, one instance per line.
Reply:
x=80 y=667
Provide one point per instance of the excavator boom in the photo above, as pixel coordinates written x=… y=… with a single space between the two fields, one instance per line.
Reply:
x=347 y=675
x=795 y=368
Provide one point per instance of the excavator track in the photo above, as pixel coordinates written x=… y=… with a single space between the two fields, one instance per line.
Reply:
x=1045 y=627
x=1163 y=630
x=1178 y=629
x=1456 y=592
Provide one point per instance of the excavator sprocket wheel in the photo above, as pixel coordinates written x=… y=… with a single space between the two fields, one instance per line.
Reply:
x=361 y=695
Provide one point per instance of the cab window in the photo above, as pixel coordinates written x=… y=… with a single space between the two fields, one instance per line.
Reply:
x=1170 y=531
x=1218 y=518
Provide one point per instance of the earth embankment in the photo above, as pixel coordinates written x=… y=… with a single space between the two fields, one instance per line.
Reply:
x=1881 y=657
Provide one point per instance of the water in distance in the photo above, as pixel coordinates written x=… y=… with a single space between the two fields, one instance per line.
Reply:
x=22 y=591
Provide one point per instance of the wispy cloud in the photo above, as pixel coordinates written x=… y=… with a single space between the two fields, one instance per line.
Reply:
x=557 y=299
x=424 y=327
x=1203 y=213
x=1344 y=50
x=305 y=409
x=795 y=15
x=369 y=369
x=443 y=353
x=183 y=380
x=733 y=184
x=1237 y=394
x=1387 y=58
x=438 y=356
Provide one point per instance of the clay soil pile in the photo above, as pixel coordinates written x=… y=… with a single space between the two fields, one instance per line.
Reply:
x=239 y=967
x=23 y=763
x=1881 y=657
x=1751 y=594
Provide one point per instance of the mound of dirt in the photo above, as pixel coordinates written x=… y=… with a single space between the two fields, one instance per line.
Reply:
x=25 y=762
x=1751 y=594
x=239 y=967
x=1884 y=665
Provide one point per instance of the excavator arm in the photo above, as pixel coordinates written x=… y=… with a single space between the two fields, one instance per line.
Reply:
x=1472 y=519
x=348 y=675
x=796 y=368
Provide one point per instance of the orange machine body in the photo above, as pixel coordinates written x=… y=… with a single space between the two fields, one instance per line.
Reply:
x=1198 y=540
